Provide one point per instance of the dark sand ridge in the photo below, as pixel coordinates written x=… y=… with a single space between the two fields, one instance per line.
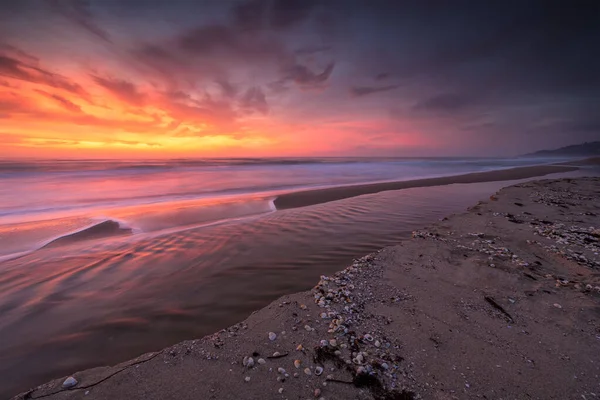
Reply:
x=499 y=302
x=318 y=196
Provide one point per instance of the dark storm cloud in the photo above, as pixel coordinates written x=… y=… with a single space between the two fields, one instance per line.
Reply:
x=359 y=91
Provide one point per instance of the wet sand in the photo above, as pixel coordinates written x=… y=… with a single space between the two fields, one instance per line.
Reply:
x=499 y=302
x=318 y=196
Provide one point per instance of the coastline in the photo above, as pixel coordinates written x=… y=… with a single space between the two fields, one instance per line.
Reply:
x=502 y=293
x=311 y=197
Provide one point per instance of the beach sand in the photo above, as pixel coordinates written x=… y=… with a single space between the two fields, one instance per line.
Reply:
x=499 y=302
x=318 y=196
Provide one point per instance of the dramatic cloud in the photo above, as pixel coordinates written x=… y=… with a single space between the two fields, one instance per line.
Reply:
x=298 y=77
x=26 y=68
x=69 y=105
x=254 y=100
x=78 y=11
x=124 y=90
x=365 y=90
x=445 y=102
x=306 y=78
x=271 y=14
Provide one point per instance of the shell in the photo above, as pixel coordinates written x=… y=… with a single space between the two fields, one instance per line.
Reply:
x=368 y=337
x=308 y=328
x=247 y=379
x=317 y=392
x=297 y=363
x=262 y=361
x=333 y=342
x=276 y=354
x=307 y=371
x=69 y=382
x=318 y=370
x=272 y=336
x=281 y=370
x=248 y=362
x=280 y=390
x=323 y=343
x=299 y=348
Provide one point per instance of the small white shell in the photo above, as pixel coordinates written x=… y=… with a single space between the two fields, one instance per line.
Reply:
x=281 y=370
x=307 y=371
x=308 y=328
x=318 y=370
x=69 y=382
x=272 y=336
x=368 y=337
x=261 y=361
x=276 y=354
x=247 y=379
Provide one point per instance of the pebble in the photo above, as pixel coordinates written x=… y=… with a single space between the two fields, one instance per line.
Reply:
x=248 y=362
x=333 y=342
x=276 y=354
x=280 y=390
x=557 y=305
x=69 y=382
x=272 y=336
x=261 y=361
x=317 y=392
x=247 y=379
x=308 y=328
x=307 y=371
x=281 y=370
x=296 y=374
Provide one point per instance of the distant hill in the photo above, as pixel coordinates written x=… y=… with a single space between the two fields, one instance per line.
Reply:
x=577 y=150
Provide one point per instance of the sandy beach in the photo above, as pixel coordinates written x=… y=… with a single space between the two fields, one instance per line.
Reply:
x=499 y=302
x=318 y=196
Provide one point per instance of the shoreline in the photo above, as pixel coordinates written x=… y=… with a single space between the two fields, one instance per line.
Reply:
x=505 y=292
x=309 y=197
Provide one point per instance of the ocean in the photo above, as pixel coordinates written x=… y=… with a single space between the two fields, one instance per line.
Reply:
x=101 y=261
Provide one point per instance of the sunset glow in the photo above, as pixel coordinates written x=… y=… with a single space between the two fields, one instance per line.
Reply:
x=249 y=78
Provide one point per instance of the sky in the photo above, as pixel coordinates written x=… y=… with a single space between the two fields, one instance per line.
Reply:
x=259 y=78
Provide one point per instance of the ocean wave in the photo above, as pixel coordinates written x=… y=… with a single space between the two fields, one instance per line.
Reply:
x=99 y=230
